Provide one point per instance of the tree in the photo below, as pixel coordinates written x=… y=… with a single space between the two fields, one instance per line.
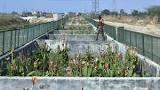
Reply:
x=154 y=11
x=14 y=13
x=71 y=14
x=105 y=12
x=38 y=14
x=114 y=13
x=135 y=13
x=122 y=12
x=142 y=14
x=25 y=14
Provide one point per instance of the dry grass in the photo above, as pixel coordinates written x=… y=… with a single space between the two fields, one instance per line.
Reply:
x=11 y=22
x=142 y=21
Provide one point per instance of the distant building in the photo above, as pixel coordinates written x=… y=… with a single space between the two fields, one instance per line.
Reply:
x=57 y=16
x=34 y=12
x=66 y=13
x=29 y=18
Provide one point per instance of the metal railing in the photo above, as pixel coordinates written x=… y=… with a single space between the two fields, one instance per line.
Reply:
x=13 y=39
x=147 y=45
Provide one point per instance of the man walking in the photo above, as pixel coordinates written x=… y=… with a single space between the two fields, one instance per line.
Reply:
x=100 y=27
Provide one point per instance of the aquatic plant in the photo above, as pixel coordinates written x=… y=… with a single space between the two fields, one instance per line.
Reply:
x=58 y=63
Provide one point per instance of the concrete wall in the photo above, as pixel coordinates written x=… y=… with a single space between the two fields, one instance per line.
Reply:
x=79 y=83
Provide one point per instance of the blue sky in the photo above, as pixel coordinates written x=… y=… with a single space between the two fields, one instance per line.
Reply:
x=72 y=5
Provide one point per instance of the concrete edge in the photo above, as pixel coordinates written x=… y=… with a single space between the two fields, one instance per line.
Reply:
x=85 y=78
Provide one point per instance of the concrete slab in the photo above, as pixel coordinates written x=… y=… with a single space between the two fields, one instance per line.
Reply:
x=75 y=37
x=79 y=83
x=73 y=32
x=77 y=43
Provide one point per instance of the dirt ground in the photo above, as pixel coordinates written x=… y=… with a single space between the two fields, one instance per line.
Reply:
x=145 y=25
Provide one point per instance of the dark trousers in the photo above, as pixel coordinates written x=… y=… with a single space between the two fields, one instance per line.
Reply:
x=100 y=31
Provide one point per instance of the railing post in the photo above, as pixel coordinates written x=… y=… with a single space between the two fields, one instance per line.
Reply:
x=136 y=39
x=152 y=46
x=33 y=32
x=130 y=39
x=11 y=39
x=28 y=34
x=39 y=31
x=122 y=33
x=18 y=36
x=116 y=37
x=15 y=39
x=50 y=27
x=143 y=44
x=3 y=46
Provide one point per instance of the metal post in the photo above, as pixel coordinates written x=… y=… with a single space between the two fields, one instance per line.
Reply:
x=3 y=48
x=11 y=40
x=28 y=34
x=143 y=44
x=33 y=32
x=15 y=39
x=152 y=46
x=18 y=36
x=39 y=28
x=136 y=39
x=116 y=37
x=130 y=39
x=124 y=41
x=50 y=27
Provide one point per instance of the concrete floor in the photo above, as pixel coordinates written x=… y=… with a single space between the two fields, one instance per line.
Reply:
x=77 y=43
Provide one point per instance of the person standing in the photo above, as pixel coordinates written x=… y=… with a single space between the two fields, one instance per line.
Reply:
x=100 y=27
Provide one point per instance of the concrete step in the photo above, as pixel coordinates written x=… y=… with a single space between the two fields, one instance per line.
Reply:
x=75 y=37
x=77 y=43
x=78 y=47
x=74 y=32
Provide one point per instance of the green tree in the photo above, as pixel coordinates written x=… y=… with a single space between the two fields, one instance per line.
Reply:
x=105 y=12
x=14 y=13
x=154 y=10
x=135 y=13
x=114 y=13
x=122 y=12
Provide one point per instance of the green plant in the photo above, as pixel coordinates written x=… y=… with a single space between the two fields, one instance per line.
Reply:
x=46 y=63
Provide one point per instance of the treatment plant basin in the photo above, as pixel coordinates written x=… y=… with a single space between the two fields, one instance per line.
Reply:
x=80 y=42
x=77 y=43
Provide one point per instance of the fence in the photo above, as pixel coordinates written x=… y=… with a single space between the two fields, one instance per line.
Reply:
x=12 y=39
x=147 y=45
